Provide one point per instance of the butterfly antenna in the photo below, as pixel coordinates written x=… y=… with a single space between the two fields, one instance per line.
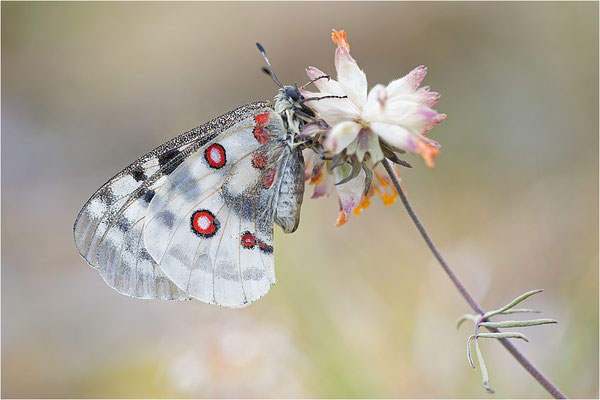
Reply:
x=272 y=73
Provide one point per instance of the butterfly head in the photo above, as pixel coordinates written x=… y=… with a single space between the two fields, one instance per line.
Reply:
x=290 y=104
x=292 y=92
x=290 y=98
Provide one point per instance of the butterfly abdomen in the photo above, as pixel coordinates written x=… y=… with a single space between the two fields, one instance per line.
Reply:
x=291 y=191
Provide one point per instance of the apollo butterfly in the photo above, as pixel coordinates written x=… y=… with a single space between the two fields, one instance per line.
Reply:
x=193 y=218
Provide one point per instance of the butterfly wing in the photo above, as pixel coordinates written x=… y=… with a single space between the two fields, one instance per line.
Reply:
x=110 y=228
x=210 y=227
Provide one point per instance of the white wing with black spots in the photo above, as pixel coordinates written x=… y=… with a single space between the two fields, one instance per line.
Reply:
x=110 y=229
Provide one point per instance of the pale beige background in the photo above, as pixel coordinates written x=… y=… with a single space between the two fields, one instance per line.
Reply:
x=358 y=311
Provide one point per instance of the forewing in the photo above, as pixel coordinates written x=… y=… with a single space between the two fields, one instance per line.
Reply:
x=210 y=227
x=110 y=228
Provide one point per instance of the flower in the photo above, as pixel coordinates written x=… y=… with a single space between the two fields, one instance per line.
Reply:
x=363 y=129
x=395 y=117
x=349 y=193
x=352 y=196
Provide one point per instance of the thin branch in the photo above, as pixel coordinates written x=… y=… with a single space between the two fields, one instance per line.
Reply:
x=549 y=386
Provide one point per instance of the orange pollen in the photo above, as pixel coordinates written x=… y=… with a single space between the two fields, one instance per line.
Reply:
x=428 y=152
x=364 y=204
x=316 y=179
x=388 y=196
x=339 y=38
x=380 y=179
x=388 y=199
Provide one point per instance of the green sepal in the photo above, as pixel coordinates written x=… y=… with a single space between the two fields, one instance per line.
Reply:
x=503 y=335
x=353 y=173
x=368 y=177
x=512 y=303
x=518 y=324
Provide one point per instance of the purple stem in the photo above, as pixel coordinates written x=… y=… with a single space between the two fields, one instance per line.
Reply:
x=549 y=386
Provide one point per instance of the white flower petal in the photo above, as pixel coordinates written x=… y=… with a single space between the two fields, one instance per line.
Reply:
x=324 y=85
x=374 y=107
x=341 y=136
x=396 y=136
x=408 y=83
x=352 y=79
x=333 y=111
x=401 y=112
x=350 y=192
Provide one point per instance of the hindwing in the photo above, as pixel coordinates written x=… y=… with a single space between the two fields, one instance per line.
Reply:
x=210 y=227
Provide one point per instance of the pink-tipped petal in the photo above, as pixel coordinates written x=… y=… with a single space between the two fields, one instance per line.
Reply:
x=416 y=76
x=324 y=85
x=341 y=136
x=425 y=97
x=430 y=118
x=408 y=83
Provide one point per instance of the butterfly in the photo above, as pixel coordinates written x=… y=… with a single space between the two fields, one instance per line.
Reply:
x=193 y=218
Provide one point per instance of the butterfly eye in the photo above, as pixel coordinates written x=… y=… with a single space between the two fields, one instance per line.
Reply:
x=292 y=93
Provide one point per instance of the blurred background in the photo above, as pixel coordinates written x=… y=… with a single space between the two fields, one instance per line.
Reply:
x=361 y=310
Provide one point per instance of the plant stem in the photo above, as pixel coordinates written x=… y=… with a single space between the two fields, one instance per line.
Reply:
x=549 y=386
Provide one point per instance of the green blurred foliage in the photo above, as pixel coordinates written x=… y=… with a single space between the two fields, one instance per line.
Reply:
x=358 y=311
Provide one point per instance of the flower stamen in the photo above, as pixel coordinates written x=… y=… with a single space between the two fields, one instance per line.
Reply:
x=339 y=38
x=428 y=152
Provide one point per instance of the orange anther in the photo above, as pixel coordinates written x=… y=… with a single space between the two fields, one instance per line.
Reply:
x=339 y=38
x=428 y=152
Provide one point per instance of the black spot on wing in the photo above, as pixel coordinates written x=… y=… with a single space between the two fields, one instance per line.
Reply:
x=167 y=156
x=106 y=196
x=138 y=174
x=169 y=161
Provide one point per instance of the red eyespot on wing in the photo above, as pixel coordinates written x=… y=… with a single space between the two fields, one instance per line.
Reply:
x=269 y=177
x=259 y=160
x=265 y=247
x=215 y=155
x=248 y=240
x=261 y=119
x=261 y=135
x=204 y=223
